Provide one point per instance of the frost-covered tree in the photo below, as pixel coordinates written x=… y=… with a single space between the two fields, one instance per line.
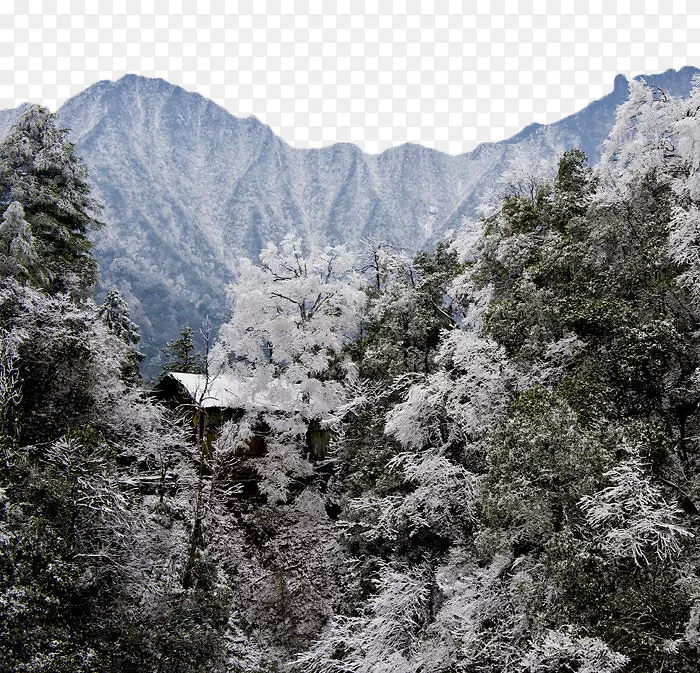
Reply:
x=407 y=307
x=527 y=174
x=17 y=243
x=291 y=317
x=441 y=427
x=654 y=147
x=40 y=170
x=115 y=313
x=563 y=649
x=98 y=484
x=385 y=638
x=293 y=311
x=10 y=381
x=633 y=517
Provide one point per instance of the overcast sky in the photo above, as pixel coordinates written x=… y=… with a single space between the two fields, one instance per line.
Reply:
x=447 y=74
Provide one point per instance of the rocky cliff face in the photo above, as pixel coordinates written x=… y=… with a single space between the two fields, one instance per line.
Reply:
x=189 y=188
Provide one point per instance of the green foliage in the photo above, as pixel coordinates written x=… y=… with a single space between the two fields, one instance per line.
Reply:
x=182 y=354
x=407 y=308
x=572 y=188
x=540 y=465
x=586 y=303
x=521 y=214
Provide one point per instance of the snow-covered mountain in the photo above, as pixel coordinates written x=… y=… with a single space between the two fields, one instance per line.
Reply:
x=189 y=188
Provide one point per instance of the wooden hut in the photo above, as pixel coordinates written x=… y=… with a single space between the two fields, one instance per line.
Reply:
x=212 y=402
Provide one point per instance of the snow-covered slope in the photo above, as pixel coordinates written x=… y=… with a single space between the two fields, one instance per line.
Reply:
x=188 y=188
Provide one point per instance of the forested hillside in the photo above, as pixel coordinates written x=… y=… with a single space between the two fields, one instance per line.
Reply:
x=481 y=458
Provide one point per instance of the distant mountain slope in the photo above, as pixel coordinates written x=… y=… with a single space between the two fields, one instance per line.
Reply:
x=7 y=118
x=188 y=188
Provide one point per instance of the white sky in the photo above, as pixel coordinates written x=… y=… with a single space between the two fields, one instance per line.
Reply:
x=443 y=73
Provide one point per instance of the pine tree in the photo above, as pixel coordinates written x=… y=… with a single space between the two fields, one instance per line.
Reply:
x=40 y=170
x=115 y=314
x=182 y=354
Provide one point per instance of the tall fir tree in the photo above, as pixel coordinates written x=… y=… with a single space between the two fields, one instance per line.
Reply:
x=40 y=170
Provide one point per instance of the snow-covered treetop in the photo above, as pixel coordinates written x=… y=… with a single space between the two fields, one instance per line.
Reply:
x=39 y=168
x=292 y=310
x=115 y=314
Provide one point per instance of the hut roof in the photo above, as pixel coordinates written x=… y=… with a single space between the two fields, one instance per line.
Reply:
x=228 y=392
x=220 y=391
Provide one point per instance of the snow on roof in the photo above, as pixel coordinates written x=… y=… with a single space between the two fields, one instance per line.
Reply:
x=220 y=391
x=226 y=391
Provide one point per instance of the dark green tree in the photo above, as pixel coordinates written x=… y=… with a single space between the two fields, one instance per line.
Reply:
x=587 y=305
x=182 y=354
x=407 y=307
x=40 y=170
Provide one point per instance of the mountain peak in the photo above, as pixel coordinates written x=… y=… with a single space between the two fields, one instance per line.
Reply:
x=131 y=77
x=620 y=83
x=132 y=81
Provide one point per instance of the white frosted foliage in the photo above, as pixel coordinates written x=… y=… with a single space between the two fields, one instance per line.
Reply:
x=16 y=239
x=291 y=316
x=633 y=517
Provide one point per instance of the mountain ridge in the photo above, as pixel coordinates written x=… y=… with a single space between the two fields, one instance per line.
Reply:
x=189 y=188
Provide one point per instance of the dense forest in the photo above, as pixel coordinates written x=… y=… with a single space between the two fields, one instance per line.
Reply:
x=482 y=458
